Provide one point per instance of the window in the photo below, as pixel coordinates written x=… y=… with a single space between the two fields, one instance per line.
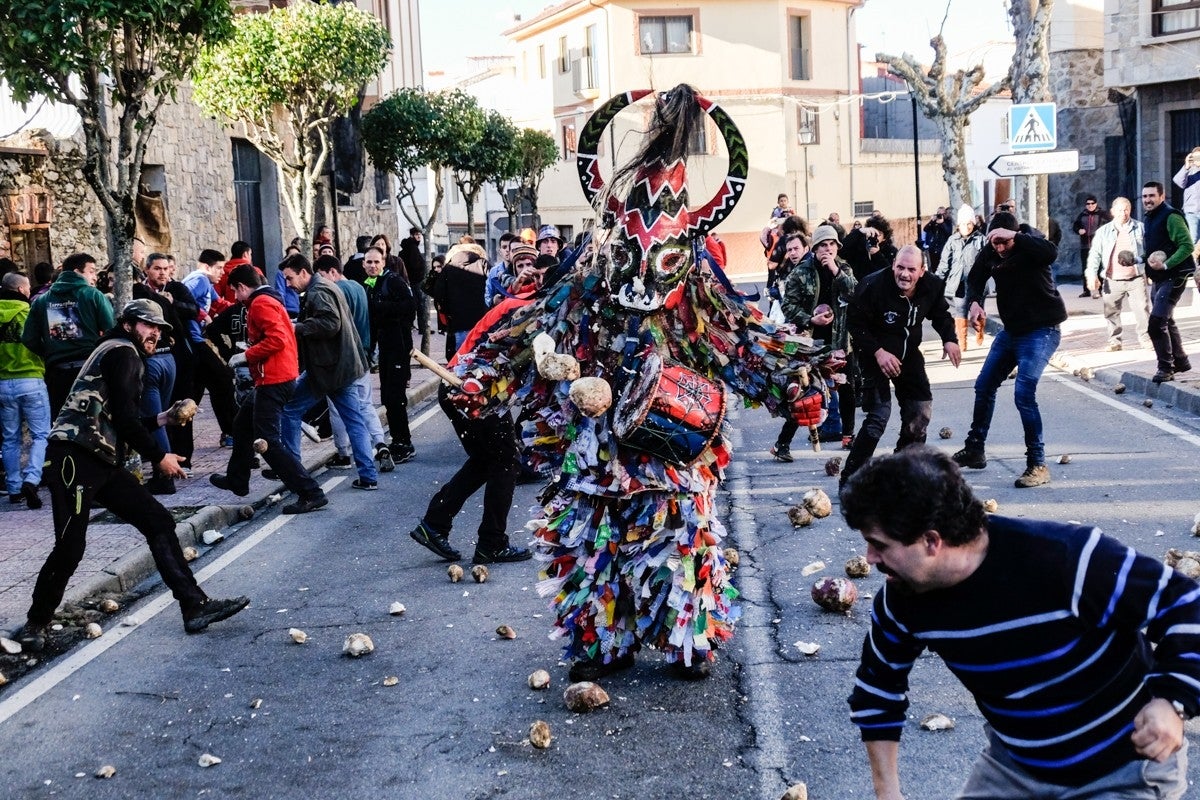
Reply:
x=1174 y=16
x=541 y=61
x=589 y=54
x=659 y=35
x=563 y=55
x=798 y=47
x=864 y=208
x=808 y=131
x=569 y=142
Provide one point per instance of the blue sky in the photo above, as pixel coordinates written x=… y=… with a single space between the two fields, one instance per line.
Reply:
x=976 y=29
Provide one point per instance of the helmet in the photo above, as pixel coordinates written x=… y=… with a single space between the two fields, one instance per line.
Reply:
x=144 y=311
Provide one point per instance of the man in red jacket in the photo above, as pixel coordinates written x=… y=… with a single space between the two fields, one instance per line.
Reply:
x=274 y=363
x=240 y=253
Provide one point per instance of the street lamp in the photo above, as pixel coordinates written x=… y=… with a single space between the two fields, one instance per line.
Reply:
x=806 y=134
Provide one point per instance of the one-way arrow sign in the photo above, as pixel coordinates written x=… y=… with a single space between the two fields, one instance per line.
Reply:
x=1036 y=163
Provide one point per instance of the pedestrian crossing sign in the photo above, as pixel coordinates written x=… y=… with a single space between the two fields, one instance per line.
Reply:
x=1032 y=126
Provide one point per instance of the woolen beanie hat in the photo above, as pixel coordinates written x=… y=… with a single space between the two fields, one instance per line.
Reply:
x=825 y=233
x=965 y=216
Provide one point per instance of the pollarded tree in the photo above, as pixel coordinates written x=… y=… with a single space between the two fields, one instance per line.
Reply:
x=947 y=99
x=412 y=130
x=538 y=152
x=116 y=62
x=282 y=76
x=490 y=158
x=1029 y=74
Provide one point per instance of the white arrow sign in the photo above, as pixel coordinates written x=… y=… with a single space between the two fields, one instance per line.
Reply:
x=1036 y=163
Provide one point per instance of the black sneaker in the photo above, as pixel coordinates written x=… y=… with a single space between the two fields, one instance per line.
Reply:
x=1163 y=376
x=161 y=484
x=223 y=482
x=1182 y=366
x=593 y=669
x=402 y=453
x=365 y=485
x=383 y=457
x=16 y=498
x=211 y=611
x=970 y=457
x=435 y=542
x=32 y=637
x=29 y=491
x=782 y=452
x=698 y=671
x=270 y=474
x=505 y=556
x=306 y=504
x=340 y=461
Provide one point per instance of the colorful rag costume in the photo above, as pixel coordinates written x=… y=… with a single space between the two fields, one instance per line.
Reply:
x=628 y=538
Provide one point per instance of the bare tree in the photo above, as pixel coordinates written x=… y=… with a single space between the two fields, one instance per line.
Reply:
x=1029 y=75
x=947 y=100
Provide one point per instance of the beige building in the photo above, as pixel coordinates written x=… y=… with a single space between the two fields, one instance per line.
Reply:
x=202 y=185
x=787 y=73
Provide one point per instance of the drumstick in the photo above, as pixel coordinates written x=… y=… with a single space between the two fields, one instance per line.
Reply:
x=436 y=368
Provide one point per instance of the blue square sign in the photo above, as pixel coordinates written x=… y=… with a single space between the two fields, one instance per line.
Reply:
x=1032 y=126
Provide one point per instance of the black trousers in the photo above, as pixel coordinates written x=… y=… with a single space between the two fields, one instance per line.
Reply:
x=913 y=395
x=77 y=480
x=491 y=447
x=59 y=380
x=395 y=369
x=259 y=419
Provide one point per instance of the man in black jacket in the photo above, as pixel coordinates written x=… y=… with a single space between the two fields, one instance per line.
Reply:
x=886 y=314
x=1031 y=309
x=393 y=306
x=88 y=444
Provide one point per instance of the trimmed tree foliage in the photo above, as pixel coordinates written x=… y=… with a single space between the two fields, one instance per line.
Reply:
x=489 y=159
x=537 y=152
x=115 y=62
x=282 y=76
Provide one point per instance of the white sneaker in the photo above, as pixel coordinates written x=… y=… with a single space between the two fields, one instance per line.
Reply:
x=310 y=431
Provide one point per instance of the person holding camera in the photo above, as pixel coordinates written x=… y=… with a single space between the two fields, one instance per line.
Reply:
x=937 y=232
x=1188 y=179
x=1115 y=268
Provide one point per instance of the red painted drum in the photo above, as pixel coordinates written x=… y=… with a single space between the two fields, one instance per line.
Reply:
x=669 y=411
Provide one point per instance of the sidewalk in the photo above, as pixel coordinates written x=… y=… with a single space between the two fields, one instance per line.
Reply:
x=117 y=558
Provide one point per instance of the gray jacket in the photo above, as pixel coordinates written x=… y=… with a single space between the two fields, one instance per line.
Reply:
x=1106 y=239
x=330 y=351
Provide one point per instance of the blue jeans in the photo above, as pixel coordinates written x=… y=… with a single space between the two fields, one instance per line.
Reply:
x=1193 y=221
x=348 y=406
x=157 y=385
x=341 y=439
x=24 y=399
x=1029 y=353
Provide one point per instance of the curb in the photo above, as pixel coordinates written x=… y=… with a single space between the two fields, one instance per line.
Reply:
x=135 y=566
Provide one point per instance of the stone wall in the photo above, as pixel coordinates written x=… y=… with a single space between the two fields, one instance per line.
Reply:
x=1085 y=119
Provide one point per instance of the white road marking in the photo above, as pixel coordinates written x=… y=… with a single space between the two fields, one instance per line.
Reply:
x=1136 y=413
x=147 y=611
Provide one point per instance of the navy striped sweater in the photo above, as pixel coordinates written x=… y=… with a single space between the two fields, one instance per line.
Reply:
x=1052 y=635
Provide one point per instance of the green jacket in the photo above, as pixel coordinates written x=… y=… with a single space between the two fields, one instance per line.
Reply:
x=16 y=360
x=66 y=322
x=802 y=290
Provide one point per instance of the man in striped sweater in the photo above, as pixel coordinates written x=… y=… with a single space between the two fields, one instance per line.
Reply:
x=1079 y=651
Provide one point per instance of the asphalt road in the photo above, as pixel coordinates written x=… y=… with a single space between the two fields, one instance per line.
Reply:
x=149 y=700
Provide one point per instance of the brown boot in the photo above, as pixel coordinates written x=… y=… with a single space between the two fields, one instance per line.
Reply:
x=980 y=326
x=960 y=330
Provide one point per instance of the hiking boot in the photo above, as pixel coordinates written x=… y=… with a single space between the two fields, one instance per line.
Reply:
x=30 y=493
x=782 y=452
x=435 y=542
x=1033 y=476
x=593 y=669
x=1182 y=365
x=698 y=671
x=33 y=637
x=506 y=555
x=161 y=484
x=970 y=457
x=402 y=453
x=383 y=457
x=365 y=485
x=211 y=611
x=340 y=461
x=306 y=504
x=224 y=482
x=1163 y=376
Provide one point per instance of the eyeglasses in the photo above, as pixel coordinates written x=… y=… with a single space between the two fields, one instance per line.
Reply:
x=1090 y=203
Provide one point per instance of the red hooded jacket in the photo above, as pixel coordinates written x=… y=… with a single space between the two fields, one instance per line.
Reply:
x=272 y=356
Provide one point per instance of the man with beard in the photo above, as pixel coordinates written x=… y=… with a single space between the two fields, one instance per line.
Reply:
x=1168 y=265
x=1078 y=650
x=885 y=319
x=87 y=448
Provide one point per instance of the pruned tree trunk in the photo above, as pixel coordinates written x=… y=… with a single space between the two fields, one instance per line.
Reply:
x=1029 y=75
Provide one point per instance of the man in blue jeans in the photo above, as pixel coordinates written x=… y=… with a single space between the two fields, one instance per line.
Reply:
x=1031 y=309
x=331 y=355
x=23 y=396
